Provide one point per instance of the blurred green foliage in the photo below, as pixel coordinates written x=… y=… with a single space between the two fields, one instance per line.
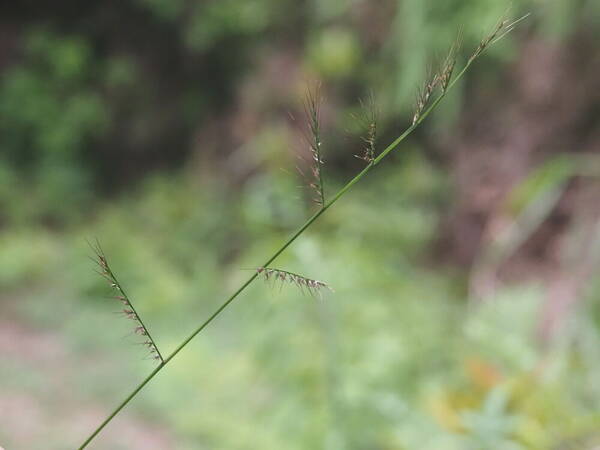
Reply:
x=88 y=109
x=393 y=359
x=49 y=112
x=94 y=119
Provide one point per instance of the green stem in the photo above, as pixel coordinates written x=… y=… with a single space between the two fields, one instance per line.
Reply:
x=301 y=230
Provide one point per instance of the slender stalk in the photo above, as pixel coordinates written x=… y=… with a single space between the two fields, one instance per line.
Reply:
x=425 y=113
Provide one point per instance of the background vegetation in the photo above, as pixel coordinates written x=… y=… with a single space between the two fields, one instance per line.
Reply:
x=466 y=312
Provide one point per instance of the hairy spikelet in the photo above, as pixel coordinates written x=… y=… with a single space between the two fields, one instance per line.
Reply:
x=312 y=109
x=440 y=79
x=313 y=287
x=127 y=307
x=447 y=69
x=423 y=96
x=368 y=122
x=443 y=76
x=502 y=28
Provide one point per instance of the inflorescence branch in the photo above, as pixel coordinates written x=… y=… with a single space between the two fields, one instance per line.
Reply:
x=368 y=122
x=312 y=109
x=440 y=79
x=502 y=28
x=127 y=309
x=313 y=287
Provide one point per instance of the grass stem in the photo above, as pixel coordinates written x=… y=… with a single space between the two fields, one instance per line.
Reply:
x=421 y=117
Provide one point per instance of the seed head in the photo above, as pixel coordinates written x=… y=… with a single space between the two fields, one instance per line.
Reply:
x=368 y=122
x=312 y=110
x=313 y=287
x=128 y=310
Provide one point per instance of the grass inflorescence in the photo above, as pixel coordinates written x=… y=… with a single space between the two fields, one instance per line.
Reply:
x=502 y=28
x=312 y=109
x=427 y=101
x=127 y=308
x=313 y=287
x=440 y=79
x=367 y=120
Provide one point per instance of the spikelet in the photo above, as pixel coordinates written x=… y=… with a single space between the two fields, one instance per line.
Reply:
x=440 y=79
x=368 y=121
x=447 y=69
x=313 y=287
x=423 y=96
x=312 y=109
x=502 y=28
x=127 y=309
x=443 y=76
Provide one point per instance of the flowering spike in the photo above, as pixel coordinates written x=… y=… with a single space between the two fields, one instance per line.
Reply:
x=312 y=109
x=312 y=286
x=447 y=69
x=368 y=121
x=423 y=96
x=128 y=310
x=502 y=28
